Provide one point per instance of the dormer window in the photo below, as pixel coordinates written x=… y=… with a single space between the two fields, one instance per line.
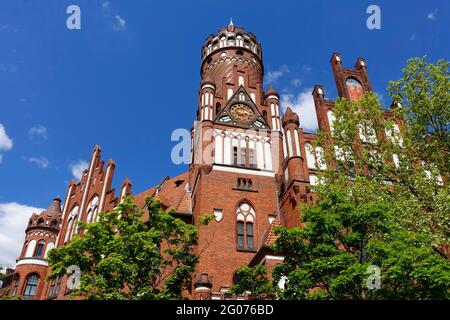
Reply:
x=178 y=183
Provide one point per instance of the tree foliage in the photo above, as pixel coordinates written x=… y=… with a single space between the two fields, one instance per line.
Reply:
x=255 y=281
x=384 y=200
x=124 y=256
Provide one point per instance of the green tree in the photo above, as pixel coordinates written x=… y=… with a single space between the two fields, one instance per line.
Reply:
x=254 y=280
x=424 y=92
x=351 y=228
x=124 y=256
x=386 y=205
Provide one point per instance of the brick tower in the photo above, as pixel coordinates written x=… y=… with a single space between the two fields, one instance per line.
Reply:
x=236 y=154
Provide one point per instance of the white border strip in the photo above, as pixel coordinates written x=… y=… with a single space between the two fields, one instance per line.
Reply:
x=244 y=171
x=32 y=261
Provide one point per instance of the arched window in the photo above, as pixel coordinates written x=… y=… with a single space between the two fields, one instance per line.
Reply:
x=245 y=229
x=320 y=158
x=69 y=229
x=31 y=285
x=331 y=118
x=39 y=249
x=354 y=88
x=92 y=209
x=49 y=247
x=310 y=158
x=16 y=285
x=30 y=248
x=72 y=223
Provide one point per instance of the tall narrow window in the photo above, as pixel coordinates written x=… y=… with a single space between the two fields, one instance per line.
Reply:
x=218 y=109
x=251 y=156
x=249 y=231
x=235 y=156
x=58 y=286
x=16 y=285
x=31 y=285
x=52 y=289
x=240 y=235
x=245 y=232
x=39 y=249
x=243 y=156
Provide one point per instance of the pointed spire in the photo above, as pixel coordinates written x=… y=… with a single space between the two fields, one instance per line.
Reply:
x=290 y=117
x=54 y=207
x=231 y=25
x=272 y=92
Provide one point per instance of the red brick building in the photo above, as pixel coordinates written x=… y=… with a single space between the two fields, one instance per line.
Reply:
x=250 y=165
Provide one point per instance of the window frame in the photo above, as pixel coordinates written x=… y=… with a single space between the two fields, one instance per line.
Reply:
x=31 y=287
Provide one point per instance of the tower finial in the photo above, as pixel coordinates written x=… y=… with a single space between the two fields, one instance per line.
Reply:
x=231 y=22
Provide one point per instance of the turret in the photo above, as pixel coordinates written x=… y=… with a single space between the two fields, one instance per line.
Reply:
x=32 y=266
x=202 y=287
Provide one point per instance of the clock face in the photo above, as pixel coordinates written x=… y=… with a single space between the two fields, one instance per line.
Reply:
x=241 y=112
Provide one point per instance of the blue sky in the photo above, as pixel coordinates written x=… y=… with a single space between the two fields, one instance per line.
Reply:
x=130 y=77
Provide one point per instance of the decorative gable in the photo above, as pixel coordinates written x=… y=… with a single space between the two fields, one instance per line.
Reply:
x=241 y=111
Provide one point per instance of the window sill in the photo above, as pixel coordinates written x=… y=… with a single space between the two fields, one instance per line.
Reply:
x=248 y=190
x=246 y=250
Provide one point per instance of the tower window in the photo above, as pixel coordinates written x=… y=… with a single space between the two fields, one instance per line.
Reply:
x=240 y=235
x=39 y=249
x=243 y=156
x=218 y=109
x=30 y=287
x=245 y=227
x=244 y=184
x=235 y=156
x=251 y=158
x=249 y=230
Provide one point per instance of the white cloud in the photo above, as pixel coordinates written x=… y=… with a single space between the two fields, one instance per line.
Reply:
x=273 y=76
x=120 y=23
x=105 y=5
x=413 y=36
x=296 y=82
x=38 y=133
x=77 y=168
x=5 y=142
x=41 y=162
x=303 y=105
x=432 y=15
x=13 y=221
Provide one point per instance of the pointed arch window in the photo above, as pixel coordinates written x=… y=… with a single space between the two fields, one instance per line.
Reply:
x=92 y=210
x=72 y=224
x=245 y=227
